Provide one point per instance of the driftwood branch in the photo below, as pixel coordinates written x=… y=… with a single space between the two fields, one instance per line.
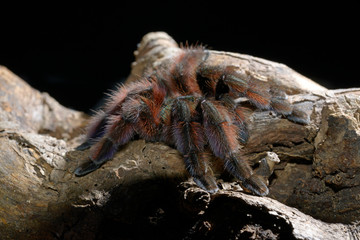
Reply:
x=145 y=185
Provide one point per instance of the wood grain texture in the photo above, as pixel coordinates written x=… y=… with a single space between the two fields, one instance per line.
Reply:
x=318 y=171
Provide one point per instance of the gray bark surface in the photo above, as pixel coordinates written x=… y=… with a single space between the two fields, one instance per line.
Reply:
x=314 y=190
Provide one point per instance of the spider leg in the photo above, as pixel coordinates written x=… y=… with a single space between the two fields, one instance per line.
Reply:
x=189 y=141
x=222 y=135
x=136 y=114
x=96 y=127
x=119 y=132
x=85 y=145
x=258 y=91
x=241 y=115
x=94 y=131
x=262 y=95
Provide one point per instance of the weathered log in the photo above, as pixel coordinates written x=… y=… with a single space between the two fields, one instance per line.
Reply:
x=318 y=173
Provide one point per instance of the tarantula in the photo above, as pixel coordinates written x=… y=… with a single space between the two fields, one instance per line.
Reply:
x=191 y=106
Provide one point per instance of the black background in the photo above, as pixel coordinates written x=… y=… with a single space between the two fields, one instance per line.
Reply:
x=76 y=53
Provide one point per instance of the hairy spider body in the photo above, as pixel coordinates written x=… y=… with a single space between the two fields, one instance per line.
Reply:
x=190 y=106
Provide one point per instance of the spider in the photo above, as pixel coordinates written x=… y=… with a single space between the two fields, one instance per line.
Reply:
x=190 y=106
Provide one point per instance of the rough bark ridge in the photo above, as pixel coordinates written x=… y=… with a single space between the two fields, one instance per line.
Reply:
x=144 y=186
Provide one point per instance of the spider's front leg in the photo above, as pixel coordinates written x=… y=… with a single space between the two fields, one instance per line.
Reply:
x=222 y=135
x=135 y=113
x=190 y=141
x=118 y=132
x=96 y=128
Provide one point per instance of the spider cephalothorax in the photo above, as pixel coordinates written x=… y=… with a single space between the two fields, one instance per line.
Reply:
x=188 y=105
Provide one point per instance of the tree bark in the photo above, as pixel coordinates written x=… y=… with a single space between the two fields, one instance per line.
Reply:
x=314 y=190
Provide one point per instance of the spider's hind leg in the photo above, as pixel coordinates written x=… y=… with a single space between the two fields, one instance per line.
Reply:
x=190 y=142
x=226 y=79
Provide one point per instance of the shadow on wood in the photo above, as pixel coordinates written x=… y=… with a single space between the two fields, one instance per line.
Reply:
x=144 y=186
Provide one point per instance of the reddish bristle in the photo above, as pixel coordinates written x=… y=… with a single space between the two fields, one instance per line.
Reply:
x=258 y=99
